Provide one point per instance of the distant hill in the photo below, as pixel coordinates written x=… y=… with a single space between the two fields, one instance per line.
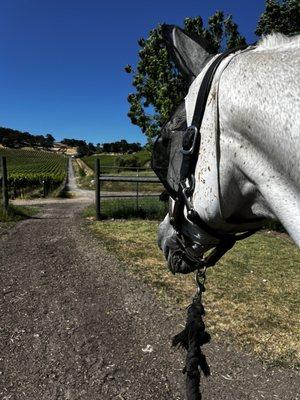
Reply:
x=16 y=139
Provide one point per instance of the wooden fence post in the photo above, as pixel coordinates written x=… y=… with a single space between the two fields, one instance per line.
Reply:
x=44 y=187
x=137 y=191
x=4 y=184
x=97 y=187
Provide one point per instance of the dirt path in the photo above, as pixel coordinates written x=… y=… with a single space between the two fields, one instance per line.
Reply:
x=73 y=188
x=80 y=195
x=76 y=325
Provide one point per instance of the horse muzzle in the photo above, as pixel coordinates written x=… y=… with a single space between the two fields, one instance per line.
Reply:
x=182 y=259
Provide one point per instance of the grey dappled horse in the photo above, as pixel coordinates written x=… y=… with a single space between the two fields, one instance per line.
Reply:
x=248 y=166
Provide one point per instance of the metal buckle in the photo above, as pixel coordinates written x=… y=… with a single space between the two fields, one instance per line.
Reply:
x=194 y=131
x=200 y=278
x=174 y=212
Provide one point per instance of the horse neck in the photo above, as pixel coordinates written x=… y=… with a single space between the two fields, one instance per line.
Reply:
x=259 y=140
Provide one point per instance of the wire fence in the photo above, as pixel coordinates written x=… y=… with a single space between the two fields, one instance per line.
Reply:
x=137 y=203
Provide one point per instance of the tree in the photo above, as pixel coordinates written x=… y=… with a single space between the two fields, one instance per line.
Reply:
x=91 y=148
x=283 y=17
x=14 y=138
x=83 y=149
x=121 y=146
x=73 y=142
x=130 y=161
x=159 y=86
x=49 y=140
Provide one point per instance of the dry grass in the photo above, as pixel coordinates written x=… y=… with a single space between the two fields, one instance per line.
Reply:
x=252 y=295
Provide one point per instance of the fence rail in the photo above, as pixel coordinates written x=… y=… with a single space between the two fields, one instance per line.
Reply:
x=133 y=179
x=117 y=178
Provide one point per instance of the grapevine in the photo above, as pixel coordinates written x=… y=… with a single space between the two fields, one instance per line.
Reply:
x=30 y=167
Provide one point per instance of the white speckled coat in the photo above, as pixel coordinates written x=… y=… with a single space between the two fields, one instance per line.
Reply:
x=248 y=167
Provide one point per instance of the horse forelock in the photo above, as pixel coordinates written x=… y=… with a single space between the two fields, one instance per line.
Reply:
x=278 y=41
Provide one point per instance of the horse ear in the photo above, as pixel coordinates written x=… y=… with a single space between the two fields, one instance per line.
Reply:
x=187 y=53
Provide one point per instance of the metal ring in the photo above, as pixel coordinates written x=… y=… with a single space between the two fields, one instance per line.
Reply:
x=200 y=276
x=191 y=150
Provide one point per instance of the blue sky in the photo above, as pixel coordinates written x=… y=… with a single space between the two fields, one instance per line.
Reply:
x=62 y=62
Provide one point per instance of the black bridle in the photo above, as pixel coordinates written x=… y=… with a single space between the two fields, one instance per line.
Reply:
x=190 y=149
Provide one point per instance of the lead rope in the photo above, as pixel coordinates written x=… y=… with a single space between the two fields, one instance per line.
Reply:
x=192 y=338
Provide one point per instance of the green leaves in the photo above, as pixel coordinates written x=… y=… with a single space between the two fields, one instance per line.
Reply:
x=128 y=69
x=233 y=38
x=159 y=87
x=283 y=17
x=28 y=167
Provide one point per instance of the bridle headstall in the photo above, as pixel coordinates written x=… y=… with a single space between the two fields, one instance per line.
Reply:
x=190 y=149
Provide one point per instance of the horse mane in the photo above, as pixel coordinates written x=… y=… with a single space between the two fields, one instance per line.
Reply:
x=278 y=41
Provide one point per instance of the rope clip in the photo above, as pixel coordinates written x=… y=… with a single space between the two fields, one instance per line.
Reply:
x=200 y=280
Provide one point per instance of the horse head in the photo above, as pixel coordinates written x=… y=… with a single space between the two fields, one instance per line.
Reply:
x=193 y=239
x=246 y=167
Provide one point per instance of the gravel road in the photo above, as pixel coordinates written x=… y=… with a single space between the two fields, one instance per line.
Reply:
x=76 y=325
x=80 y=195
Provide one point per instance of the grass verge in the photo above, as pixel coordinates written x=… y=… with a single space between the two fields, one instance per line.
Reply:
x=109 y=160
x=150 y=209
x=13 y=215
x=252 y=295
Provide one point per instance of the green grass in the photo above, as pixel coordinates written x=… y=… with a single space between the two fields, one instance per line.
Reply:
x=131 y=187
x=127 y=209
x=252 y=297
x=87 y=182
x=108 y=161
